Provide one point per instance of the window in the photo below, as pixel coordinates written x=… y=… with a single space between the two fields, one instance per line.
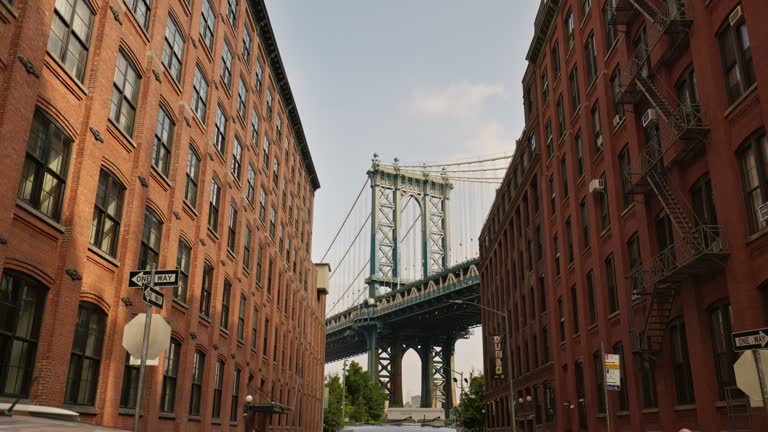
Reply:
x=226 y=298
x=241 y=319
x=161 y=153
x=560 y=117
x=275 y=171
x=246 y=45
x=196 y=390
x=220 y=130
x=736 y=57
x=552 y=195
x=130 y=384
x=183 y=259
x=192 y=175
x=84 y=364
x=247 y=248
x=575 y=306
x=254 y=328
x=561 y=314
x=609 y=14
x=753 y=159
x=550 y=148
x=262 y=204
x=585 y=7
x=141 y=10
x=241 y=94
x=584 y=223
x=591 y=298
x=199 y=94
x=45 y=166
x=70 y=36
x=605 y=216
x=640 y=44
x=544 y=86
x=564 y=176
x=722 y=347
x=125 y=94
x=170 y=375
x=269 y=278
x=265 y=155
x=610 y=280
x=213 y=207
x=544 y=345
x=259 y=75
x=235 y=396
x=237 y=158
x=569 y=236
x=625 y=168
x=556 y=60
x=21 y=302
x=272 y=223
x=254 y=128
x=648 y=382
x=597 y=359
x=598 y=134
x=278 y=128
x=633 y=252
x=232 y=11
x=265 y=345
x=618 y=348
x=528 y=99
x=280 y=240
x=685 y=90
x=207 y=24
x=681 y=365
x=269 y=105
x=149 y=252
x=618 y=107
x=575 y=98
x=206 y=291
x=703 y=201
x=569 y=35
x=232 y=228
x=539 y=246
x=590 y=56
x=107 y=213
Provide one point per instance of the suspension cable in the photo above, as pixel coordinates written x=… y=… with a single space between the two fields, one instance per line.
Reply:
x=448 y=171
x=438 y=165
x=362 y=227
x=345 y=219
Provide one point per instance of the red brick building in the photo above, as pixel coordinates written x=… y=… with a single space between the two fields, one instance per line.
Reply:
x=139 y=133
x=648 y=162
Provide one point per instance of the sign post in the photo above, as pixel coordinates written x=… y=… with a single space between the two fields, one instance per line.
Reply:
x=754 y=340
x=605 y=389
x=144 y=349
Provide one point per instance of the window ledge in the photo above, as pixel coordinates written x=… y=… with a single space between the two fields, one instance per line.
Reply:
x=622 y=413
x=212 y=234
x=190 y=210
x=592 y=86
x=753 y=237
x=205 y=320
x=740 y=101
x=193 y=418
x=688 y=407
x=180 y=304
x=628 y=209
x=612 y=49
x=172 y=79
x=591 y=328
x=224 y=332
x=164 y=415
x=599 y=154
x=130 y=411
x=103 y=255
x=82 y=409
x=123 y=133
x=613 y=316
x=605 y=232
x=165 y=183
x=60 y=68
x=620 y=125
x=10 y=8
x=649 y=411
x=216 y=421
x=52 y=223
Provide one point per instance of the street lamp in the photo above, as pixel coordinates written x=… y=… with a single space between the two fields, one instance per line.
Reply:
x=509 y=355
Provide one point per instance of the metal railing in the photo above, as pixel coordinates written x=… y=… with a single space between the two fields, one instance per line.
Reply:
x=702 y=241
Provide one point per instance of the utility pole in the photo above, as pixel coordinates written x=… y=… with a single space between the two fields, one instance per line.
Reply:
x=343 y=392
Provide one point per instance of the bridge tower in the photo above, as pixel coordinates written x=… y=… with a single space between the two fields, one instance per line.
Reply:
x=391 y=189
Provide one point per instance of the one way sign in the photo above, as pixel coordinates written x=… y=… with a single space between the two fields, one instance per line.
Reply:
x=163 y=278
x=750 y=339
x=153 y=297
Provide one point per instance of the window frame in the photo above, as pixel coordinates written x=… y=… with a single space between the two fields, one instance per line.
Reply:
x=101 y=212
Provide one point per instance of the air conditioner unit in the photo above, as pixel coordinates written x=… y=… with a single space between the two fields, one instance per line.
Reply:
x=763 y=211
x=617 y=119
x=736 y=17
x=649 y=117
x=597 y=185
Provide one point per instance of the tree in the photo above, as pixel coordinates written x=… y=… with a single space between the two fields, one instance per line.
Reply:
x=365 y=398
x=332 y=420
x=471 y=407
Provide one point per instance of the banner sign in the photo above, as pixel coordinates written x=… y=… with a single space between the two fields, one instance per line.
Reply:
x=498 y=357
x=612 y=372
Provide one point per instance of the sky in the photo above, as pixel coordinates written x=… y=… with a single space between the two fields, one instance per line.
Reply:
x=422 y=80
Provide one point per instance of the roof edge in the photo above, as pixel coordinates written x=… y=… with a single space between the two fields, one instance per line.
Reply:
x=264 y=27
x=542 y=26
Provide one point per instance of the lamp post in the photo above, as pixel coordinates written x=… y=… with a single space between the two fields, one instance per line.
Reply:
x=509 y=355
x=461 y=392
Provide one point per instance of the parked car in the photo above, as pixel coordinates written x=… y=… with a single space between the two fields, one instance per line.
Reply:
x=396 y=427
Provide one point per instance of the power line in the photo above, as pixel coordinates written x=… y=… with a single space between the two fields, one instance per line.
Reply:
x=345 y=219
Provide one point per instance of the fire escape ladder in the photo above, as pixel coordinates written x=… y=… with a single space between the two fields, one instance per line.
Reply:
x=675 y=211
x=646 y=8
x=662 y=299
x=657 y=100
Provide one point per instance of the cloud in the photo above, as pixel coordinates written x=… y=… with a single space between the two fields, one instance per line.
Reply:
x=459 y=99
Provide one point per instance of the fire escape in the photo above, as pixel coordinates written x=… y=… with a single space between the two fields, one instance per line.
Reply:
x=679 y=129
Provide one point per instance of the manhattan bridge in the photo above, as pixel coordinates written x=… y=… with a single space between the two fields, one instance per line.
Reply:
x=403 y=256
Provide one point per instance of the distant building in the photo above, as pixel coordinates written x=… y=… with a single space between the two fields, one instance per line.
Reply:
x=156 y=133
x=632 y=217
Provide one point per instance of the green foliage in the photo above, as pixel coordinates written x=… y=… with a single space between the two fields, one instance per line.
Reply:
x=471 y=407
x=364 y=399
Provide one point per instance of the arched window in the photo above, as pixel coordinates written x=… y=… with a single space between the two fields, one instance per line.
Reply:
x=21 y=305
x=84 y=365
